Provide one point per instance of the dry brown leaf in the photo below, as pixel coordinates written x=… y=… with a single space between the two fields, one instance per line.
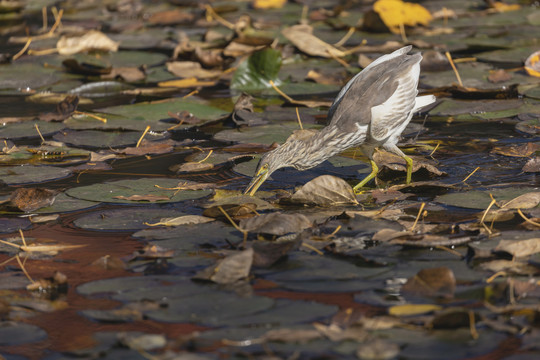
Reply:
x=193 y=167
x=533 y=165
x=182 y=220
x=439 y=282
x=149 y=147
x=325 y=190
x=514 y=267
x=187 y=69
x=92 y=40
x=499 y=76
x=525 y=201
x=393 y=162
x=128 y=74
x=30 y=199
x=302 y=37
x=276 y=223
x=524 y=150
x=230 y=269
x=519 y=248
x=171 y=17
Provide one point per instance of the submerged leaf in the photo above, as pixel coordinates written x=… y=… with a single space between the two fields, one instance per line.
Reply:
x=325 y=190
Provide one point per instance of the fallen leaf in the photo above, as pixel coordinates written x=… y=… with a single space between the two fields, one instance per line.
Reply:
x=524 y=150
x=511 y=266
x=532 y=64
x=188 y=69
x=31 y=199
x=395 y=14
x=182 y=220
x=385 y=159
x=268 y=253
x=236 y=212
x=92 y=40
x=230 y=269
x=434 y=282
x=519 y=248
x=302 y=37
x=268 y=4
x=192 y=167
x=325 y=190
x=499 y=76
x=128 y=74
x=171 y=17
x=525 y=201
x=64 y=109
x=533 y=165
x=276 y=223
x=149 y=147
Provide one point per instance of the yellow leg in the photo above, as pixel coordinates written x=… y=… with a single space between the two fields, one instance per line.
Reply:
x=372 y=174
x=409 y=162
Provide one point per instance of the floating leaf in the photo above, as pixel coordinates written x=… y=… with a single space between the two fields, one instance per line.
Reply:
x=92 y=40
x=519 y=248
x=302 y=37
x=256 y=72
x=229 y=270
x=182 y=220
x=325 y=190
x=276 y=223
x=431 y=282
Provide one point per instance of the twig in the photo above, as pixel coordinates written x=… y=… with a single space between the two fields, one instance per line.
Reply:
x=471 y=174
x=436 y=147
x=402 y=32
x=527 y=219
x=485 y=214
x=23 y=269
x=39 y=133
x=21 y=52
x=418 y=216
x=234 y=224
x=142 y=136
x=102 y=119
x=472 y=326
x=212 y=13
x=206 y=157
x=299 y=120
x=311 y=247
x=494 y=276
x=346 y=37
x=449 y=57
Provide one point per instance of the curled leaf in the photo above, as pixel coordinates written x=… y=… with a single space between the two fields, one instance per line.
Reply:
x=325 y=190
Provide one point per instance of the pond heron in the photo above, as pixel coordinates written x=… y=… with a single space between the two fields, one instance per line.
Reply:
x=371 y=111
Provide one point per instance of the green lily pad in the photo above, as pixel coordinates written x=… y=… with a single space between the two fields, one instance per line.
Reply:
x=27 y=129
x=264 y=134
x=485 y=109
x=28 y=74
x=477 y=199
x=124 y=219
x=63 y=203
x=138 y=116
x=13 y=333
x=109 y=191
x=101 y=139
x=257 y=71
x=8 y=225
x=511 y=57
x=30 y=174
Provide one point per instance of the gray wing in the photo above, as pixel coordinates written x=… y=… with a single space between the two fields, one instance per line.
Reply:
x=388 y=77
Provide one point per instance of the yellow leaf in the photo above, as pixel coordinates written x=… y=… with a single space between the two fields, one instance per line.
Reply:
x=502 y=7
x=185 y=83
x=268 y=4
x=395 y=13
x=412 y=309
x=532 y=64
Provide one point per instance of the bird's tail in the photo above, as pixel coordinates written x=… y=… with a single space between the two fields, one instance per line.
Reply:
x=423 y=101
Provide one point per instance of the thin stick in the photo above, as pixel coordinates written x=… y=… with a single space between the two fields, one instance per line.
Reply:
x=311 y=247
x=464 y=60
x=23 y=239
x=234 y=224
x=335 y=231
x=447 y=249
x=21 y=52
x=354 y=49
x=58 y=18
x=299 y=120
x=346 y=37
x=102 y=119
x=39 y=133
x=494 y=276
x=472 y=326
x=418 y=216
x=207 y=156
x=23 y=269
x=445 y=15
x=287 y=97
x=341 y=61
x=45 y=19
x=303 y=16
x=527 y=219
x=471 y=174
x=449 y=57
x=402 y=32
x=190 y=94
x=485 y=214
x=210 y=11
x=142 y=136
x=436 y=147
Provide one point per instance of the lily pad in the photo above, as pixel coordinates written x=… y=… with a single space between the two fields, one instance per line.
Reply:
x=477 y=199
x=264 y=134
x=123 y=219
x=121 y=191
x=27 y=129
x=101 y=139
x=13 y=333
x=30 y=174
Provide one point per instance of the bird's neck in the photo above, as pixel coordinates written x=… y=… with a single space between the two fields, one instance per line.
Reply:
x=321 y=146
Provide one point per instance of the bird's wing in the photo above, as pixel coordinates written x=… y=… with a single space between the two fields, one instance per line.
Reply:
x=392 y=114
x=359 y=78
x=371 y=88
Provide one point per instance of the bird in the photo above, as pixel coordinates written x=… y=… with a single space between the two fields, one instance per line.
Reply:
x=369 y=112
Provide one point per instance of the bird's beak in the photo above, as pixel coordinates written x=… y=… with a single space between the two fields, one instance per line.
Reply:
x=256 y=182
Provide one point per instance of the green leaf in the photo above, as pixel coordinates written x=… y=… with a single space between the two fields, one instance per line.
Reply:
x=256 y=72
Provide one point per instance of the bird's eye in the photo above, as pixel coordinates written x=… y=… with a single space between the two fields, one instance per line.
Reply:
x=265 y=167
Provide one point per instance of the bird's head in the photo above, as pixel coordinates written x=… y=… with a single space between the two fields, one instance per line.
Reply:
x=283 y=156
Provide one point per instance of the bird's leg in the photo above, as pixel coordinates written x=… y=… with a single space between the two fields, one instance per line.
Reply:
x=409 y=162
x=394 y=149
x=372 y=174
